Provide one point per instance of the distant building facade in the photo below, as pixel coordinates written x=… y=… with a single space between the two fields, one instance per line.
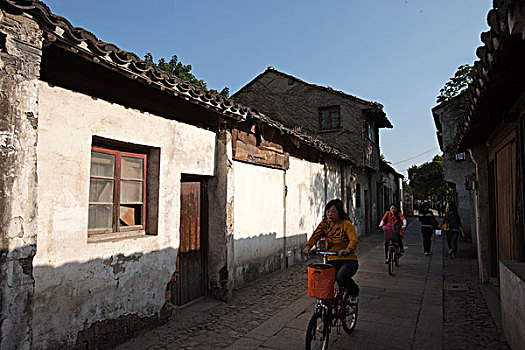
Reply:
x=459 y=171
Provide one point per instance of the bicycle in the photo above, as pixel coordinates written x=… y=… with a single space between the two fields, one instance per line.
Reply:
x=338 y=312
x=393 y=250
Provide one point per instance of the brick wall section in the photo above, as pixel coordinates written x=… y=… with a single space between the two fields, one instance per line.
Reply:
x=296 y=104
x=20 y=53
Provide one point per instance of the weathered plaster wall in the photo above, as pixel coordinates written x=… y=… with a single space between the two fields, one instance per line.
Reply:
x=296 y=104
x=259 y=220
x=20 y=53
x=334 y=180
x=305 y=198
x=512 y=292
x=305 y=201
x=220 y=222
x=78 y=283
x=358 y=216
x=269 y=229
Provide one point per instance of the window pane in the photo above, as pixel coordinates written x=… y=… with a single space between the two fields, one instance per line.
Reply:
x=325 y=120
x=335 y=119
x=132 y=168
x=131 y=215
x=102 y=164
x=101 y=191
x=100 y=216
x=130 y=192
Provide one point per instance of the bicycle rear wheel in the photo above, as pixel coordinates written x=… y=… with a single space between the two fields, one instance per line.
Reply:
x=318 y=333
x=391 y=258
x=349 y=320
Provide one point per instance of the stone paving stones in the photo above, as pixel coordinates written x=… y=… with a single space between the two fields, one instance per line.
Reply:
x=410 y=310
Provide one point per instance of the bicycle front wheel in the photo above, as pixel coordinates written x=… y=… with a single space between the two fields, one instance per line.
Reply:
x=349 y=316
x=318 y=333
x=391 y=258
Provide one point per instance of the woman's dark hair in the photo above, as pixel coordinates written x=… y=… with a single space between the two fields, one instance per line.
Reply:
x=397 y=211
x=425 y=206
x=453 y=207
x=340 y=209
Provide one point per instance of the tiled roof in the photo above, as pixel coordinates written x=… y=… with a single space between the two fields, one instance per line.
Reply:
x=374 y=106
x=75 y=39
x=506 y=20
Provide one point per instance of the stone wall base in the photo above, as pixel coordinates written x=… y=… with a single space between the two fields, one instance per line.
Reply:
x=110 y=333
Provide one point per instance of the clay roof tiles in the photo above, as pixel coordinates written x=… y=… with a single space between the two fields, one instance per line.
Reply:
x=506 y=19
x=375 y=107
x=58 y=28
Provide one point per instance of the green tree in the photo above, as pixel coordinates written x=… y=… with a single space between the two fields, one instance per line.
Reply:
x=427 y=180
x=182 y=71
x=457 y=84
x=384 y=159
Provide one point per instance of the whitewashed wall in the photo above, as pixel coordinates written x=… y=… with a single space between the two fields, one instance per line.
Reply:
x=334 y=180
x=305 y=198
x=79 y=283
x=305 y=202
x=258 y=220
x=268 y=233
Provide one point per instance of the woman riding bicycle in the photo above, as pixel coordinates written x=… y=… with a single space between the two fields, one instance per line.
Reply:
x=396 y=219
x=341 y=238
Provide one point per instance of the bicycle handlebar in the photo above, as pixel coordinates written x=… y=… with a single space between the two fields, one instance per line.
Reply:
x=319 y=252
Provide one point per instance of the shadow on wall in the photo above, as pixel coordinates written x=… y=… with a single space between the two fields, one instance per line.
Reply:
x=102 y=302
x=263 y=254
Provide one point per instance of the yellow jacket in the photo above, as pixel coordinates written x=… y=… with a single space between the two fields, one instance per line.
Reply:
x=343 y=237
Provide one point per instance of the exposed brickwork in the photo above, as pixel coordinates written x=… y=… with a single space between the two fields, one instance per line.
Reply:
x=110 y=333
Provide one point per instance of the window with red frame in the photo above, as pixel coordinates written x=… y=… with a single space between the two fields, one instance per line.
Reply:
x=329 y=118
x=117 y=191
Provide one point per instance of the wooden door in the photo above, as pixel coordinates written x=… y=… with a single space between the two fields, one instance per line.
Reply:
x=505 y=174
x=190 y=262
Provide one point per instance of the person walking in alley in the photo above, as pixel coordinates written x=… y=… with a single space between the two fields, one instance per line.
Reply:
x=340 y=238
x=428 y=225
x=396 y=218
x=452 y=227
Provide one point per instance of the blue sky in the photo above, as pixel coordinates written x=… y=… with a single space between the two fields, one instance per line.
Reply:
x=396 y=52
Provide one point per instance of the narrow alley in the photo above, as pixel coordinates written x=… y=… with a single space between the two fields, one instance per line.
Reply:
x=420 y=307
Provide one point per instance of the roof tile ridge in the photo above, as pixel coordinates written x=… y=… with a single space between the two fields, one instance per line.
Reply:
x=328 y=88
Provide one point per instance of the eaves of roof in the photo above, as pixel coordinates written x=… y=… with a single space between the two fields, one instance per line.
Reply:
x=385 y=167
x=506 y=20
x=60 y=31
x=375 y=106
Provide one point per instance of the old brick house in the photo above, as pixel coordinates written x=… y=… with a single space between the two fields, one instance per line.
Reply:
x=493 y=131
x=346 y=122
x=111 y=169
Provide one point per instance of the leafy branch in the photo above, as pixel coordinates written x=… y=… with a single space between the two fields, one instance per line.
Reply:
x=457 y=84
x=182 y=71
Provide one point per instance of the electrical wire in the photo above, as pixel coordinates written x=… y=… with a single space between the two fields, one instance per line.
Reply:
x=406 y=160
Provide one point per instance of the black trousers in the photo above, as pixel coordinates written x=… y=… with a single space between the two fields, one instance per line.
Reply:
x=344 y=271
x=427 y=238
x=452 y=240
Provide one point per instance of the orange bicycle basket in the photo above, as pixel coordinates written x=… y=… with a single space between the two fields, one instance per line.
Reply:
x=321 y=278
